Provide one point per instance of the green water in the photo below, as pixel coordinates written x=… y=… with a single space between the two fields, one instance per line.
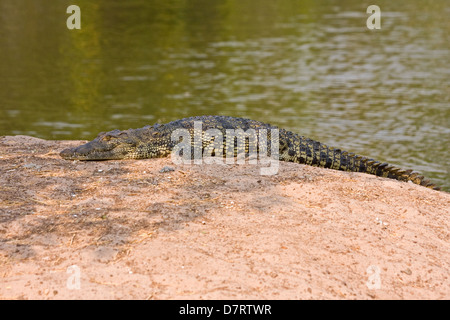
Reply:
x=312 y=67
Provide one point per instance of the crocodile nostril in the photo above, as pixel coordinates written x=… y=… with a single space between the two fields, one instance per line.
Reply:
x=66 y=153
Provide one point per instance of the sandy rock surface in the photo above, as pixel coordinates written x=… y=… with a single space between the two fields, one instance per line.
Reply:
x=130 y=230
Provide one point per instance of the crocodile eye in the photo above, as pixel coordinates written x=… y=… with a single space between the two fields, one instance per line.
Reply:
x=155 y=133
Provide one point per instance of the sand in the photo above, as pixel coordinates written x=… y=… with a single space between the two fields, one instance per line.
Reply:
x=130 y=230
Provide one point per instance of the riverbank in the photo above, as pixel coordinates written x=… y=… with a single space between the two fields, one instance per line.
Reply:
x=137 y=230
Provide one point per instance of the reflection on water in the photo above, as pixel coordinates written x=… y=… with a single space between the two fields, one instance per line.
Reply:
x=309 y=66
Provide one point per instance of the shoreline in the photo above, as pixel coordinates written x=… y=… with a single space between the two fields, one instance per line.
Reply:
x=136 y=231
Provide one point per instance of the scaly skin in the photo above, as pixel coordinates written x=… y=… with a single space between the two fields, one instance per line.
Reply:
x=155 y=141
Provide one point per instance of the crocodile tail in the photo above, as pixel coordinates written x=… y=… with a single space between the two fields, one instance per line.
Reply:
x=346 y=161
x=314 y=153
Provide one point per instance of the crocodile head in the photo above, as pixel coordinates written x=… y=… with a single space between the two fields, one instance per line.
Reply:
x=112 y=145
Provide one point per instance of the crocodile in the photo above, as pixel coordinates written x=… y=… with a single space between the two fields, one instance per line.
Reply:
x=156 y=141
